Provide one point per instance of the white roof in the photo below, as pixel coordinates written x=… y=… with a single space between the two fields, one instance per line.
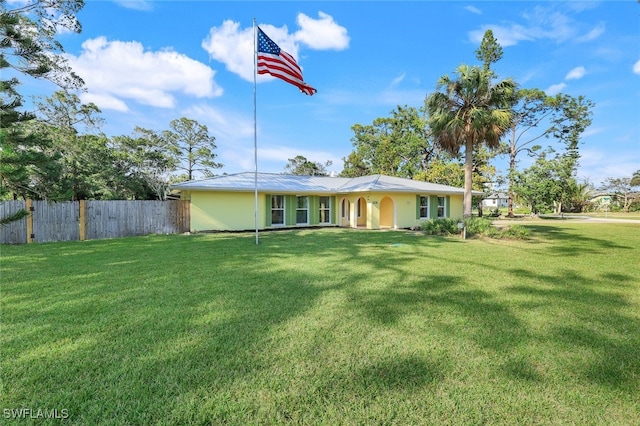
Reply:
x=293 y=184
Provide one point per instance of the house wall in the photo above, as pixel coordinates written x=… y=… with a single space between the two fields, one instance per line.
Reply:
x=225 y=211
x=234 y=211
x=404 y=209
x=456 y=207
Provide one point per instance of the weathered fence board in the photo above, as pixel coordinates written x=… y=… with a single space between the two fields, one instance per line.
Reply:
x=114 y=219
x=55 y=221
x=14 y=232
x=91 y=220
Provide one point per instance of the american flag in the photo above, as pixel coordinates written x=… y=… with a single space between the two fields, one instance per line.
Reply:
x=275 y=61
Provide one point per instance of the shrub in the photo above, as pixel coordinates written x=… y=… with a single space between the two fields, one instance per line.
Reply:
x=477 y=225
x=517 y=232
x=483 y=226
x=494 y=213
x=440 y=226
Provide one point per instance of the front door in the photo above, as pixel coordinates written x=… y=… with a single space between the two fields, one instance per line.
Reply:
x=344 y=212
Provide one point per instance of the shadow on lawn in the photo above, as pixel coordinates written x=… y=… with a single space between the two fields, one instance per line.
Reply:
x=568 y=242
x=596 y=323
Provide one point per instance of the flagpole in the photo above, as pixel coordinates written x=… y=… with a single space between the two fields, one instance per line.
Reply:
x=255 y=126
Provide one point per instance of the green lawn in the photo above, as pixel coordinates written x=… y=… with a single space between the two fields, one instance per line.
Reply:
x=326 y=327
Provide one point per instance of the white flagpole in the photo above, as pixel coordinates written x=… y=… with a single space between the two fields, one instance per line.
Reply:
x=255 y=125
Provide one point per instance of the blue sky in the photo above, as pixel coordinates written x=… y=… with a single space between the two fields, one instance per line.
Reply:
x=146 y=63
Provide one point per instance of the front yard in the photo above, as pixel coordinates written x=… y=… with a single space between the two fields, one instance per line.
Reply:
x=325 y=327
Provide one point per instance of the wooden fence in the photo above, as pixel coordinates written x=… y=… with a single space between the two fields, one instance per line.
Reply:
x=92 y=220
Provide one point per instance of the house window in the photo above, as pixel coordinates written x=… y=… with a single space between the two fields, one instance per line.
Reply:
x=424 y=207
x=325 y=209
x=277 y=209
x=302 y=210
x=441 y=206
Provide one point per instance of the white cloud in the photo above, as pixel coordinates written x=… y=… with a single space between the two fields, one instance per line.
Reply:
x=597 y=165
x=636 y=67
x=117 y=71
x=555 y=89
x=473 y=9
x=398 y=80
x=541 y=22
x=576 y=73
x=226 y=124
x=591 y=131
x=104 y=101
x=593 y=34
x=233 y=46
x=135 y=4
x=321 y=34
x=506 y=36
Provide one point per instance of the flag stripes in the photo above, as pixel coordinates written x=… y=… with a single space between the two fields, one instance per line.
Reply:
x=275 y=61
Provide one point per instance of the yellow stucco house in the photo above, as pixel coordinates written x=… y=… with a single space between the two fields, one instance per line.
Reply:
x=228 y=203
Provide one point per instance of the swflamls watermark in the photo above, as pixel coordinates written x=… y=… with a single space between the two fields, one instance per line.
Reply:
x=35 y=413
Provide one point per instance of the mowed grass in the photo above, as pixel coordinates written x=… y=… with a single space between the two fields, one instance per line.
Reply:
x=327 y=327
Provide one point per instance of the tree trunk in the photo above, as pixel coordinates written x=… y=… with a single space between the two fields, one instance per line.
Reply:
x=512 y=169
x=559 y=210
x=468 y=177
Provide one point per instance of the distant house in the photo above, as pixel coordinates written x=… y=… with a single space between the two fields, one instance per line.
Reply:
x=496 y=200
x=601 y=199
x=228 y=202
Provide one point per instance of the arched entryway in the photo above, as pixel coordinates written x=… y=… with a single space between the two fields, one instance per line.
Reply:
x=387 y=213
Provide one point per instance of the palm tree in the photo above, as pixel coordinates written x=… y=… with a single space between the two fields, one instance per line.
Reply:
x=469 y=111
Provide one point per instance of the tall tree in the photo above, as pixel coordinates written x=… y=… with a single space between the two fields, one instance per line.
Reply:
x=192 y=146
x=355 y=165
x=26 y=163
x=144 y=163
x=299 y=165
x=72 y=127
x=549 y=183
x=23 y=155
x=28 y=48
x=448 y=170
x=489 y=51
x=398 y=145
x=536 y=116
x=469 y=111
x=28 y=44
